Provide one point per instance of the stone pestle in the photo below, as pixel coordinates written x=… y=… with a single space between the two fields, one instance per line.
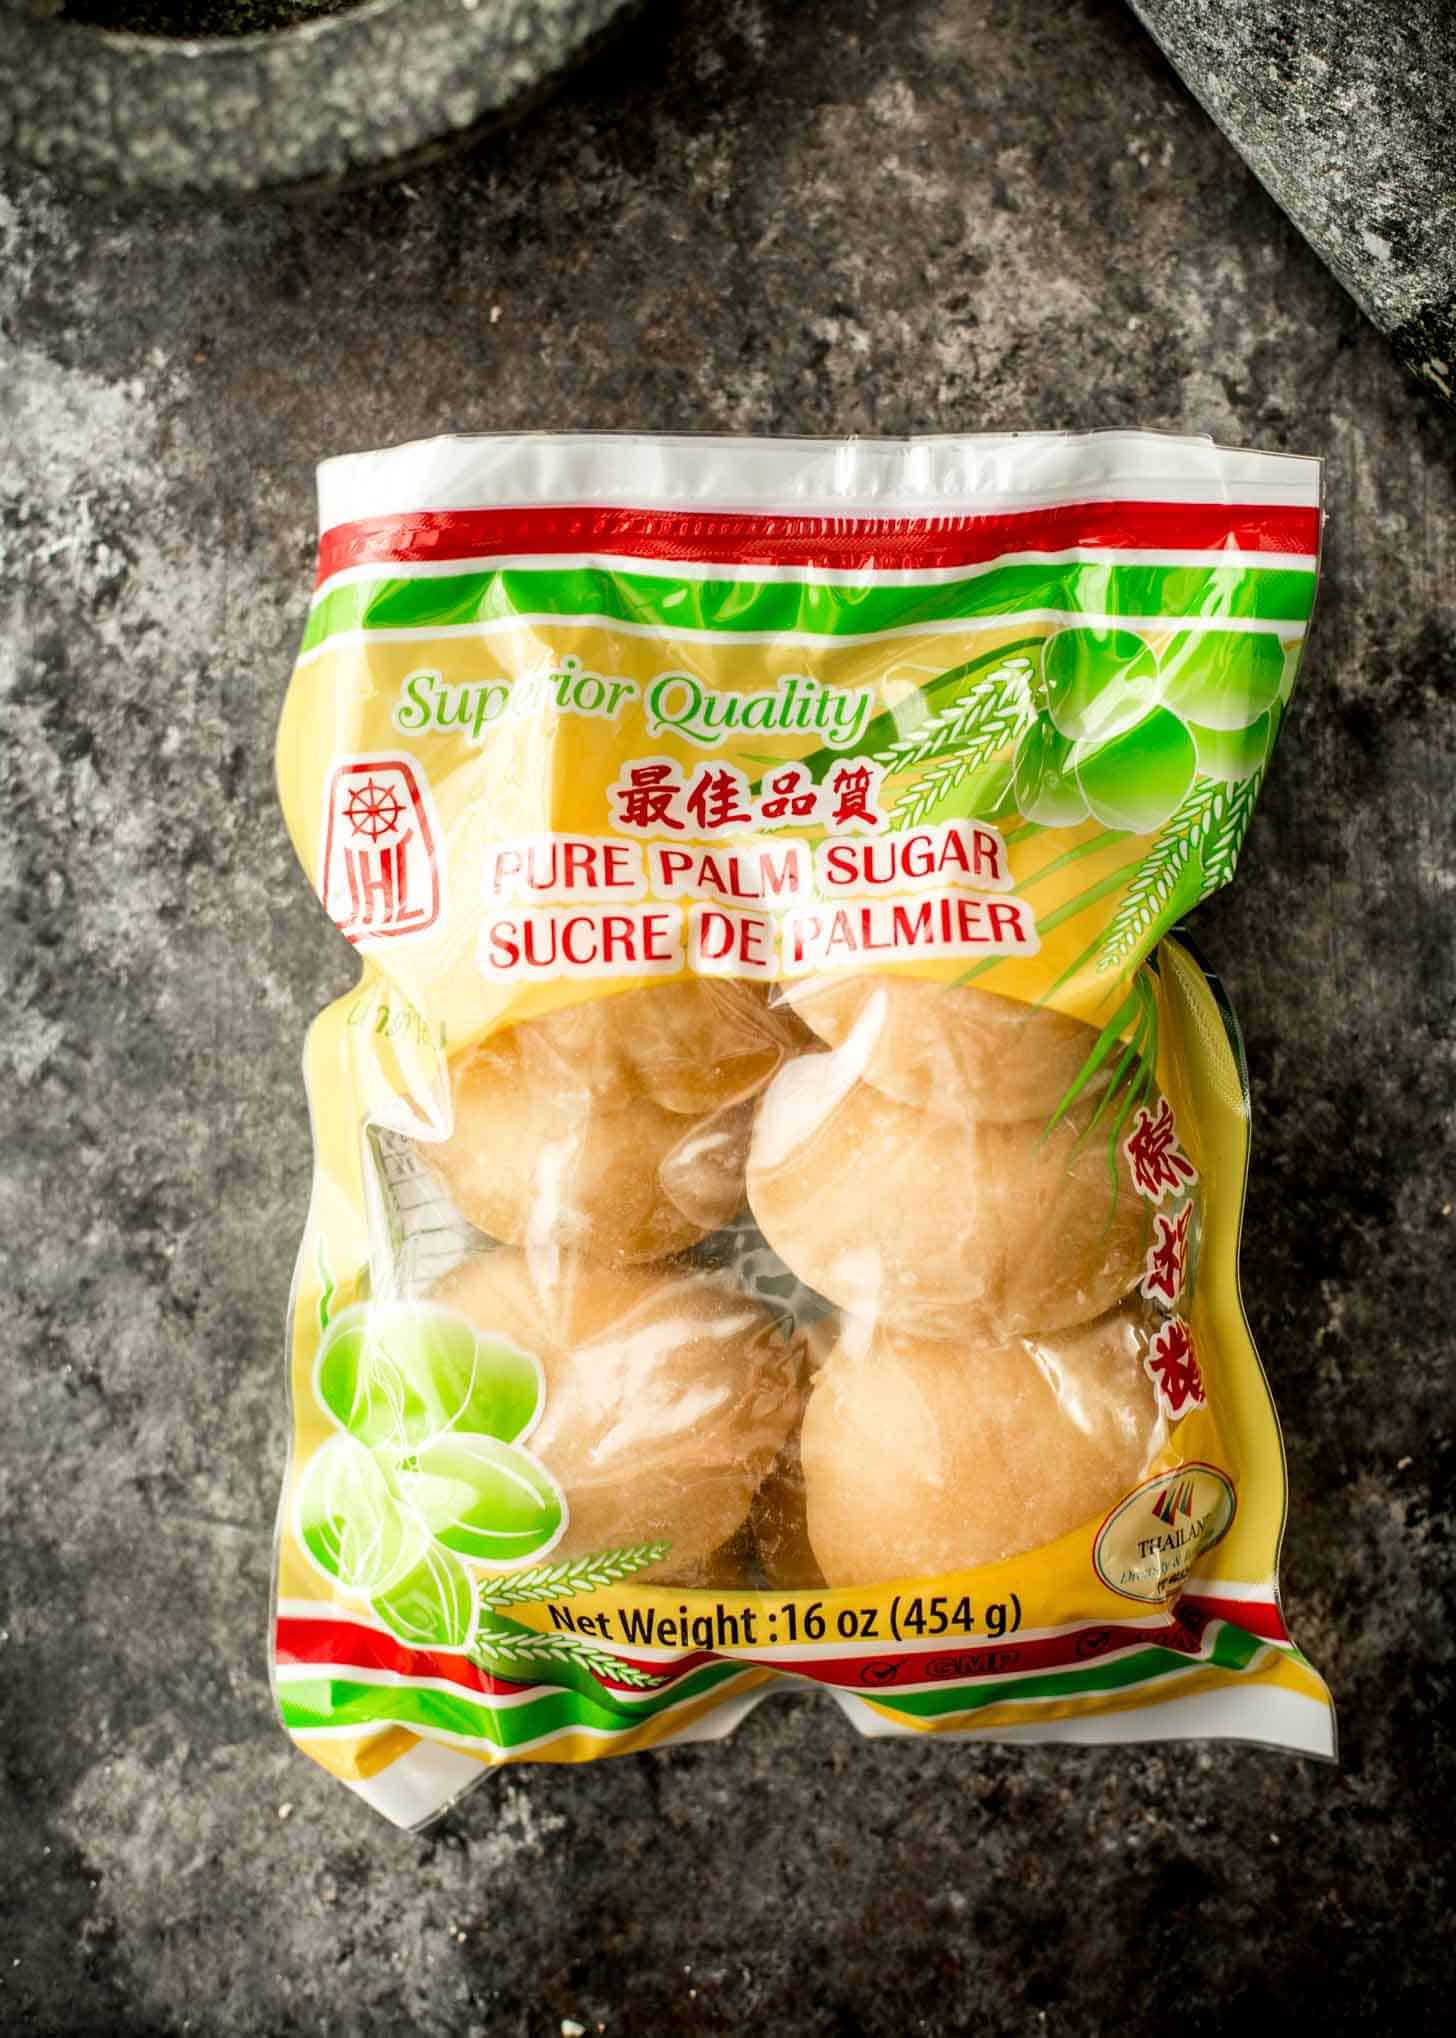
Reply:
x=1346 y=111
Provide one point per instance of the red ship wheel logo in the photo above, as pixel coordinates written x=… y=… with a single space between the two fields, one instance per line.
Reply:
x=373 y=809
x=380 y=875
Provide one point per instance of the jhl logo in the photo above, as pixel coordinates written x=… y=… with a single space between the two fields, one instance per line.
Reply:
x=1177 y=1500
x=379 y=877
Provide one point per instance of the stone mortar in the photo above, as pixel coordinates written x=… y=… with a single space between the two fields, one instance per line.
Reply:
x=327 y=102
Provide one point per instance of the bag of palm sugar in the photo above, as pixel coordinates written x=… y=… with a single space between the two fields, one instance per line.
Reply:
x=780 y=1170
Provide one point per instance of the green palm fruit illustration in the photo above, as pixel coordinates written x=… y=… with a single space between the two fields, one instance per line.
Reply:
x=433 y=1606
x=428 y=1470
x=399 y=1372
x=1232 y=754
x=1138 y=778
x=1098 y=682
x=483 y=1499
x=349 y=1519
x=1046 y=788
x=1222 y=679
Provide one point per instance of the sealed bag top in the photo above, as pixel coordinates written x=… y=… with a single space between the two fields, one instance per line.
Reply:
x=778 y=1188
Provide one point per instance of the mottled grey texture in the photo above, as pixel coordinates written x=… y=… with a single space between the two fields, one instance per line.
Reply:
x=952 y=213
x=1346 y=111
x=189 y=17
x=384 y=83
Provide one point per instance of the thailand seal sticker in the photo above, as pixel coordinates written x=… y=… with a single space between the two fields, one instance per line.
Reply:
x=1150 y=1542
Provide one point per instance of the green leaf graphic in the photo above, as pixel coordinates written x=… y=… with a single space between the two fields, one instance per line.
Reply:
x=433 y=1605
x=1139 y=778
x=487 y=1500
x=399 y=1373
x=349 y=1520
x=1098 y=682
x=326 y=1282
x=1124 y=1082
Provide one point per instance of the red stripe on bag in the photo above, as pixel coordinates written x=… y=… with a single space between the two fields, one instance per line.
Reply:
x=1259 y=1617
x=356 y=1646
x=732 y=539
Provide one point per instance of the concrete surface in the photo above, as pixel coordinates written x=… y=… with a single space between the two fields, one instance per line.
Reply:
x=753 y=216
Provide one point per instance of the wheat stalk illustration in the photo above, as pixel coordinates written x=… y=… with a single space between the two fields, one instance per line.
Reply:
x=912 y=806
x=505 y=1643
x=981 y=721
x=1157 y=882
x=527 y=1649
x=1221 y=850
x=965 y=736
x=547 y=1582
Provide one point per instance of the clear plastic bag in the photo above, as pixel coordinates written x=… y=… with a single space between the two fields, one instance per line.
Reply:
x=779 y=1176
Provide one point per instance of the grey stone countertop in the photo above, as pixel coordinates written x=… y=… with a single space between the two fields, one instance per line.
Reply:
x=753 y=216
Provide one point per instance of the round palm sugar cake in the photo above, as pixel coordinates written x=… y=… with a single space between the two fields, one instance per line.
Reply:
x=531 y=1162
x=941 y=1226
x=780 y=1525
x=948 y=1047
x=668 y=1396
x=923 y=1456
x=690 y=1046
